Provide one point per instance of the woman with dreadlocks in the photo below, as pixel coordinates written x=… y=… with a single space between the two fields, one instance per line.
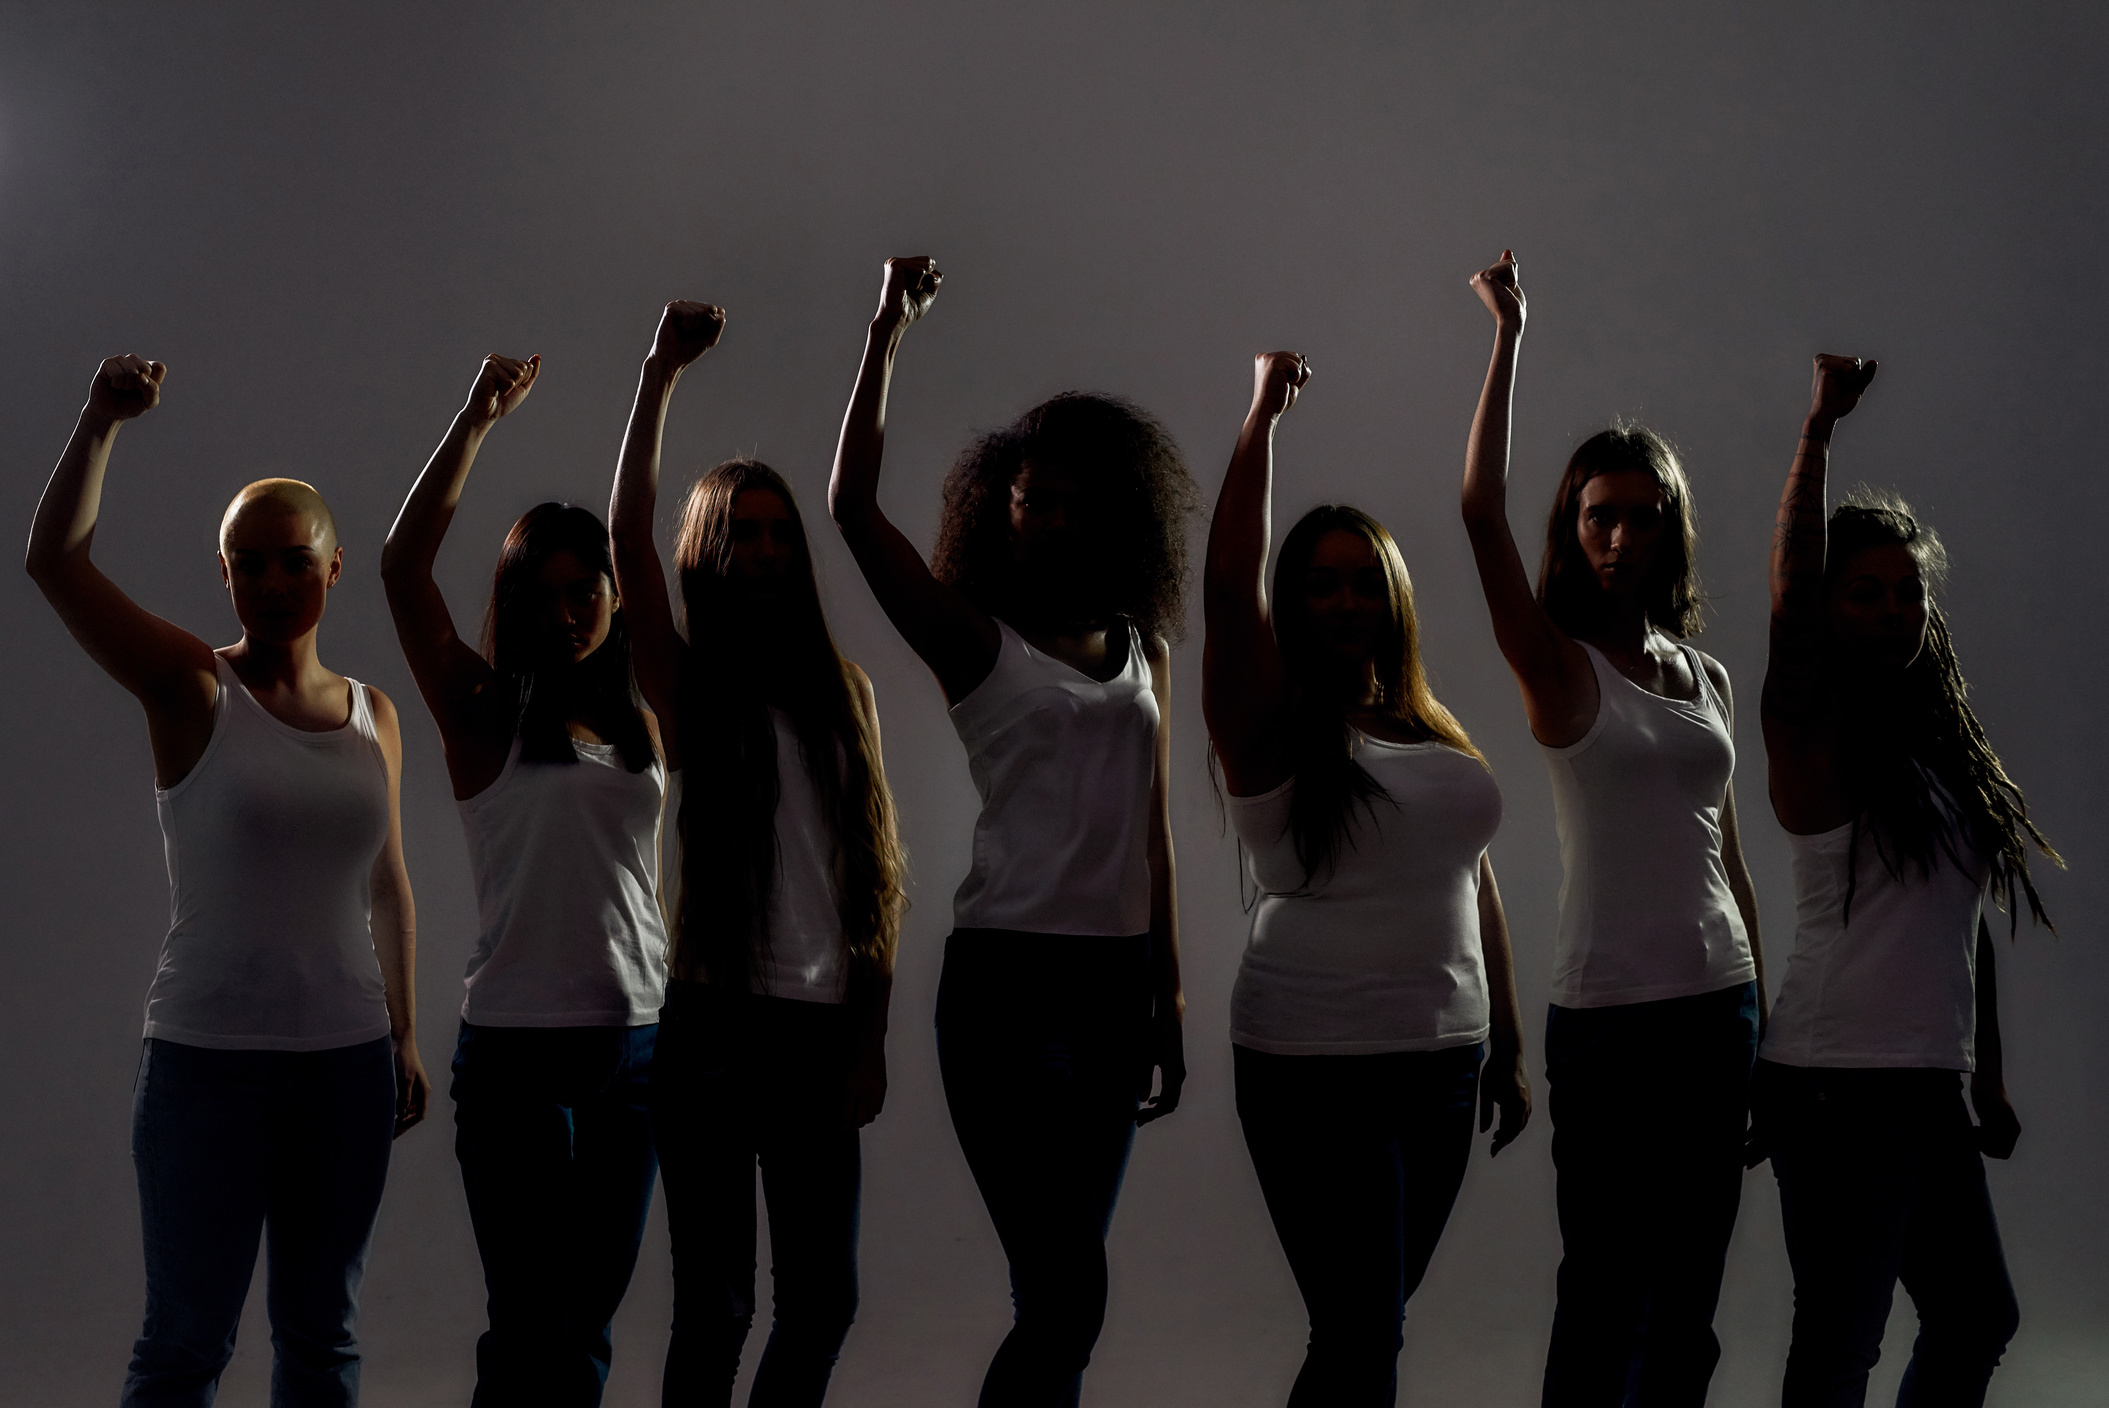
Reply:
x=1900 y=816
x=1657 y=988
x=773 y=1046
x=558 y=775
x=1379 y=964
x=1060 y=569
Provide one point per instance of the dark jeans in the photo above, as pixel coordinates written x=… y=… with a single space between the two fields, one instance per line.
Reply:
x=554 y=1135
x=1650 y=1103
x=740 y=1080
x=228 y=1143
x=1360 y=1158
x=1042 y=1040
x=1880 y=1181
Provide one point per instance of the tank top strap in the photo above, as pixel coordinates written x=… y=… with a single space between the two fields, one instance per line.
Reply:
x=1707 y=692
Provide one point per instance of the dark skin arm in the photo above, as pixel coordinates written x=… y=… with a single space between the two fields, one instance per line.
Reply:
x=1169 y=999
x=1998 y=1127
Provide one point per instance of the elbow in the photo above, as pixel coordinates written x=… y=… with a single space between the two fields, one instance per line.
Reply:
x=852 y=512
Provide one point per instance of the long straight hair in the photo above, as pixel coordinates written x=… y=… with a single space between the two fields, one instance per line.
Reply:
x=1898 y=745
x=1330 y=784
x=737 y=668
x=1568 y=588
x=536 y=693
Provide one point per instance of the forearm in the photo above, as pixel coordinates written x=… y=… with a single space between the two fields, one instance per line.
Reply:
x=413 y=543
x=1487 y=451
x=870 y=1000
x=1235 y=576
x=1168 y=993
x=394 y=926
x=1794 y=667
x=64 y=525
x=853 y=489
x=636 y=496
x=1991 y=1053
x=1505 y=1013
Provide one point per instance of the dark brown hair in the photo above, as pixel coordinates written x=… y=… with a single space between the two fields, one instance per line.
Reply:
x=1569 y=590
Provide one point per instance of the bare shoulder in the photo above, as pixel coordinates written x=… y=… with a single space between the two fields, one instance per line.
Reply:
x=1157 y=652
x=386 y=719
x=1716 y=672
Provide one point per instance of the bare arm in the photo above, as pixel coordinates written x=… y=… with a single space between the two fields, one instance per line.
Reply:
x=871 y=996
x=169 y=670
x=394 y=928
x=1505 y=1083
x=450 y=675
x=954 y=639
x=1998 y=1127
x=686 y=331
x=1243 y=687
x=1806 y=793
x=1169 y=998
x=1558 y=685
x=1745 y=892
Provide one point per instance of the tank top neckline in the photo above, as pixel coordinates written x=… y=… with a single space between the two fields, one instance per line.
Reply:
x=1128 y=652
x=345 y=729
x=1691 y=660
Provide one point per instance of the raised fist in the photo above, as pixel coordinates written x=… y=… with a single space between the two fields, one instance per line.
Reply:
x=501 y=385
x=1498 y=288
x=1276 y=378
x=910 y=288
x=1838 y=385
x=125 y=387
x=686 y=331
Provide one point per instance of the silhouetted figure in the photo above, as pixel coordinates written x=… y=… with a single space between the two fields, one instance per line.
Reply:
x=1899 y=815
x=773 y=1047
x=280 y=1055
x=1379 y=963
x=1658 y=989
x=557 y=771
x=1060 y=567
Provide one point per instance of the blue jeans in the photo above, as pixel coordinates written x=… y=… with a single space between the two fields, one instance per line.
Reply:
x=1650 y=1103
x=554 y=1136
x=1360 y=1159
x=741 y=1080
x=1042 y=1041
x=1880 y=1181
x=228 y=1143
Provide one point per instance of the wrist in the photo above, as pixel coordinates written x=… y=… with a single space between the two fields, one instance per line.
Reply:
x=887 y=325
x=98 y=422
x=659 y=370
x=1818 y=428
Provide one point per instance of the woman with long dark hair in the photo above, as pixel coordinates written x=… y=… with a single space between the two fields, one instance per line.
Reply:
x=1658 y=985
x=557 y=771
x=772 y=1050
x=1059 y=572
x=280 y=1054
x=1379 y=965
x=1900 y=817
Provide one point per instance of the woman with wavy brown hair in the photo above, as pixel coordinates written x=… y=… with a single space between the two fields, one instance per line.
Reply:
x=1658 y=989
x=772 y=1048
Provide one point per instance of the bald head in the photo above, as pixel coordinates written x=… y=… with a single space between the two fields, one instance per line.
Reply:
x=289 y=497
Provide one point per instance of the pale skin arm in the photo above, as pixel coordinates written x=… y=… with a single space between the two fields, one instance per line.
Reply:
x=686 y=331
x=870 y=1000
x=1740 y=885
x=1552 y=671
x=1998 y=1127
x=450 y=674
x=1169 y=999
x=1503 y=1084
x=169 y=670
x=957 y=641
x=1244 y=688
x=394 y=927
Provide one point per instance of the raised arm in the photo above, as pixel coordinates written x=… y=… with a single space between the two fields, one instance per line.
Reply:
x=686 y=331
x=957 y=641
x=450 y=674
x=1806 y=793
x=169 y=670
x=1559 y=687
x=1243 y=687
x=394 y=927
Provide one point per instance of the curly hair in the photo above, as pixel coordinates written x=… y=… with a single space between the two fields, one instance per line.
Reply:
x=1568 y=588
x=1133 y=472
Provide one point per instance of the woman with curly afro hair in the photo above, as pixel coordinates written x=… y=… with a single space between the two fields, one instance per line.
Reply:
x=1059 y=573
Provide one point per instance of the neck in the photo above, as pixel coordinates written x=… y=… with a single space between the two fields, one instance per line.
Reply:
x=275 y=662
x=1622 y=626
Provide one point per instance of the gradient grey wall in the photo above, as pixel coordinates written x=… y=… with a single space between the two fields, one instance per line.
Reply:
x=321 y=223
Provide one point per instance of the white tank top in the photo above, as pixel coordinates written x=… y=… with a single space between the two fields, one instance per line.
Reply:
x=566 y=860
x=1380 y=952
x=271 y=840
x=1063 y=763
x=804 y=958
x=1894 y=986
x=1645 y=909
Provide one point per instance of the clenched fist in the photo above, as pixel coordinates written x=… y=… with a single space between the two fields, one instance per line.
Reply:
x=686 y=331
x=125 y=387
x=502 y=383
x=1499 y=288
x=910 y=288
x=1276 y=378
x=1837 y=386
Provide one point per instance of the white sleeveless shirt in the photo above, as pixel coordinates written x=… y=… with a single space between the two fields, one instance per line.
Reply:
x=1892 y=984
x=566 y=860
x=804 y=958
x=1645 y=909
x=1380 y=952
x=1063 y=763
x=271 y=840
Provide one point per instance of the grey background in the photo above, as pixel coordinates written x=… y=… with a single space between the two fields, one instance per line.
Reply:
x=322 y=221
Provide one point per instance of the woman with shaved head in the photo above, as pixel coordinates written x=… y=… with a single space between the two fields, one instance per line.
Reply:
x=280 y=1047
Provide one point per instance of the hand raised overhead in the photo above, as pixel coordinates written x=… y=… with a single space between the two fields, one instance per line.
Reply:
x=1499 y=288
x=686 y=331
x=1837 y=386
x=910 y=288
x=1276 y=378
x=125 y=387
x=502 y=383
